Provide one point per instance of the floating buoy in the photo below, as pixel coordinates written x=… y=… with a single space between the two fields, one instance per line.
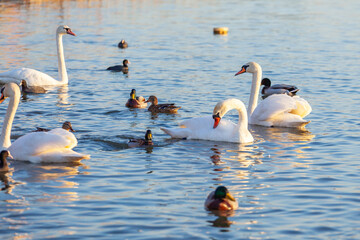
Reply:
x=221 y=30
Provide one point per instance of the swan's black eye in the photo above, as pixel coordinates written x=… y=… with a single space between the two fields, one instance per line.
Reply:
x=216 y=115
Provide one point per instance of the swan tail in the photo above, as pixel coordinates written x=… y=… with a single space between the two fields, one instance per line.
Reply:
x=177 y=132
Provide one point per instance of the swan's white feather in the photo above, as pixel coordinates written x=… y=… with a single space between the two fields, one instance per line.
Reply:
x=202 y=128
x=32 y=77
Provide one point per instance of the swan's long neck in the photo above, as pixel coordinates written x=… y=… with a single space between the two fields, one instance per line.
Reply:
x=254 y=94
x=8 y=121
x=243 y=118
x=63 y=77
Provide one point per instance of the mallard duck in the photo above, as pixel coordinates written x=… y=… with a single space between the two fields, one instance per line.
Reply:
x=120 y=68
x=277 y=88
x=31 y=89
x=66 y=126
x=122 y=44
x=3 y=162
x=221 y=199
x=161 y=108
x=136 y=102
x=147 y=141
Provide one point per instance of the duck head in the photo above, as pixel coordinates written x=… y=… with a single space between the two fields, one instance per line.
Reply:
x=153 y=100
x=222 y=192
x=266 y=82
x=148 y=136
x=67 y=126
x=133 y=94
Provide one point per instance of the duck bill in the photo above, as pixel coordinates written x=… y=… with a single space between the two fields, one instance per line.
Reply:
x=71 y=129
x=229 y=196
x=241 y=71
x=216 y=121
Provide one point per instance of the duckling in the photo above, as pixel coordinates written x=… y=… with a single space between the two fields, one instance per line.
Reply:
x=136 y=102
x=122 y=44
x=277 y=89
x=66 y=126
x=31 y=89
x=120 y=68
x=221 y=199
x=161 y=108
x=3 y=162
x=142 y=142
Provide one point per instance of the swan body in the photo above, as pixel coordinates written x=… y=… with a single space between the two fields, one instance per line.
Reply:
x=221 y=199
x=37 y=78
x=277 y=110
x=215 y=128
x=269 y=89
x=53 y=146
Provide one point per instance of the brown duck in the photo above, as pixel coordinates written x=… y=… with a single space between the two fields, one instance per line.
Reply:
x=3 y=162
x=136 y=102
x=161 y=108
x=66 y=126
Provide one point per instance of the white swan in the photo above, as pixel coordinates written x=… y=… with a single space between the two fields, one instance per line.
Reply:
x=52 y=146
x=211 y=128
x=36 y=78
x=278 y=110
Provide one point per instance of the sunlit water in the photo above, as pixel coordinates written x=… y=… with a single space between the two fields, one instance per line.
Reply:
x=289 y=184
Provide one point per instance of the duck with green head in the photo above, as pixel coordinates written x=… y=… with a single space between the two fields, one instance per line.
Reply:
x=221 y=199
x=136 y=102
x=147 y=141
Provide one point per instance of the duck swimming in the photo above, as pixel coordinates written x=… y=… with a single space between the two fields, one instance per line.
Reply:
x=268 y=90
x=120 y=68
x=3 y=162
x=66 y=126
x=161 y=108
x=147 y=141
x=221 y=199
x=31 y=89
x=136 y=102
x=122 y=44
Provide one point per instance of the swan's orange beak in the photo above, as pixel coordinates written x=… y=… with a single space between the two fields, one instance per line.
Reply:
x=2 y=98
x=216 y=121
x=70 y=32
x=241 y=71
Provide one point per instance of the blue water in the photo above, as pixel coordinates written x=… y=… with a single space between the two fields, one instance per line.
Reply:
x=290 y=184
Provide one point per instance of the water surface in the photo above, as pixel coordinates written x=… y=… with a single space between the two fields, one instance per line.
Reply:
x=290 y=184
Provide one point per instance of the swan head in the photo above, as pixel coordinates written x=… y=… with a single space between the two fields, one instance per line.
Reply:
x=224 y=106
x=63 y=29
x=250 y=67
x=9 y=90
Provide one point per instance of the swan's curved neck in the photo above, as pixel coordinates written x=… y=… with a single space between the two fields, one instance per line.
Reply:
x=63 y=77
x=8 y=121
x=243 y=118
x=255 y=88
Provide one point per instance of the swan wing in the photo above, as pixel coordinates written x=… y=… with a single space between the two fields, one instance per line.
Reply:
x=281 y=110
x=52 y=146
x=31 y=76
